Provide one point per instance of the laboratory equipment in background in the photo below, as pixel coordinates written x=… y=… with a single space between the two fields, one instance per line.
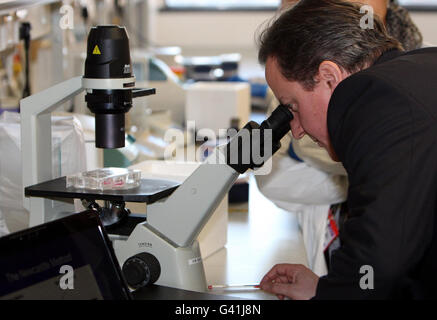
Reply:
x=158 y=74
x=217 y=106
x=157 y=67
x=223 y=67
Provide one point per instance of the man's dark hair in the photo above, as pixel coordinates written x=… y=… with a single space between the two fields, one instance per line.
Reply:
x=316 y=30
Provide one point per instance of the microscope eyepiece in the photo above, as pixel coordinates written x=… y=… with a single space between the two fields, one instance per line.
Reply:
x=263 y=141
x=279 y=122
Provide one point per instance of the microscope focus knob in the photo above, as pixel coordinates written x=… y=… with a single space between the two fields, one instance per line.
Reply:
x=141 y=270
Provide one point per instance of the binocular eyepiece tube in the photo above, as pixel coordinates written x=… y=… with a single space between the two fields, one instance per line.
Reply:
x=254 y=143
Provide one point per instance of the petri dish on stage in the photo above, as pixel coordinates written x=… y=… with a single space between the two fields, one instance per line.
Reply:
x=105 y=179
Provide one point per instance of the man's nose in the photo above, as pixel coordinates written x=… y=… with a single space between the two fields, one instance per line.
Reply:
x=296 y=129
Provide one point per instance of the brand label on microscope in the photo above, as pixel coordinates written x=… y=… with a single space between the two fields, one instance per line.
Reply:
x=194 y=260
x=145 y=245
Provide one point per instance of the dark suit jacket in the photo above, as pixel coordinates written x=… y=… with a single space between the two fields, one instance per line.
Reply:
x=383 y=126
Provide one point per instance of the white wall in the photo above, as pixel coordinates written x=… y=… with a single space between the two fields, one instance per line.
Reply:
x=209 y=29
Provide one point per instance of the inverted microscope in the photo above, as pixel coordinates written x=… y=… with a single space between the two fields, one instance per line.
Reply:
x=161 y=247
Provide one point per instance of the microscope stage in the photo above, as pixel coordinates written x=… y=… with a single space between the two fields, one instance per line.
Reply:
x=149 y=191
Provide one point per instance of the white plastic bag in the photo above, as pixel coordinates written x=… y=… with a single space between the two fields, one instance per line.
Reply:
x=68 y=147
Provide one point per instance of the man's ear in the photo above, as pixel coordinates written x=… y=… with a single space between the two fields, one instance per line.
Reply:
x=330 y=74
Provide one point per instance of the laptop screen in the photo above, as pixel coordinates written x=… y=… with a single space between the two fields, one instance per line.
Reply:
x=69 y=258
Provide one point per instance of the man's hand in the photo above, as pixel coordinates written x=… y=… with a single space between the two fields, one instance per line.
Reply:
x=294 y=281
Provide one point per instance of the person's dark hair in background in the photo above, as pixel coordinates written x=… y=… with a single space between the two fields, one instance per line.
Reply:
x=400 y=26
x=396 y=18
x=302 y=39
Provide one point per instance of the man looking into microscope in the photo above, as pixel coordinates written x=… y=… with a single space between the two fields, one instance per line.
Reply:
x=374 y=108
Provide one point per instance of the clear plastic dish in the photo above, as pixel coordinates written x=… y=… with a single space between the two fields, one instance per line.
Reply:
x=105 y=179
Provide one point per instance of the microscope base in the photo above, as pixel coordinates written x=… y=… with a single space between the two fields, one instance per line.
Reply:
x=181 y=267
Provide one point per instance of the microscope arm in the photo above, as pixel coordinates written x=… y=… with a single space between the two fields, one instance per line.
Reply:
x=182 y=216
x=36 y=130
